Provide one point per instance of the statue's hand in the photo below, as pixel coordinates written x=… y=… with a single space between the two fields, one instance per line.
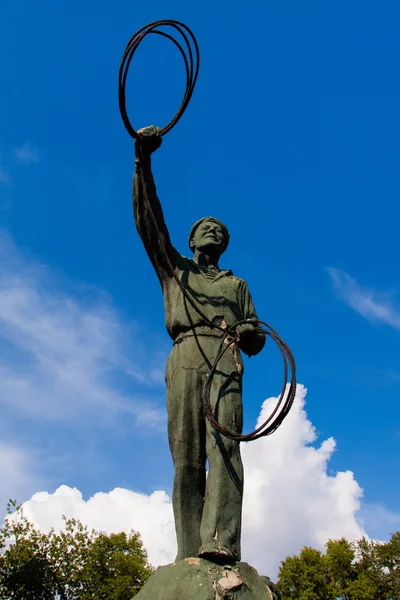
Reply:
x=250 y=340
x=245 y=330
x=148 y=141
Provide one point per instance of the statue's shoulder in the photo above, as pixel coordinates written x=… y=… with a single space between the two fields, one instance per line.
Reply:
x=238 y=280
x=235 y=277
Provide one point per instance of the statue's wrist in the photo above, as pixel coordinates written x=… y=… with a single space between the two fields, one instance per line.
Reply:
x=142 y=161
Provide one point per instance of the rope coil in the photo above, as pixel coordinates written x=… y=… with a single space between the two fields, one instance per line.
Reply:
x=286 y=397
x=192 y=65
x=228 y=336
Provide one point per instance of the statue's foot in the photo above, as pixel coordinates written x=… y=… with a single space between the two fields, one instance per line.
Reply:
x=218 y=555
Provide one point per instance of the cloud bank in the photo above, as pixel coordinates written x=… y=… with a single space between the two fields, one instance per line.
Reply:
x=290 y=500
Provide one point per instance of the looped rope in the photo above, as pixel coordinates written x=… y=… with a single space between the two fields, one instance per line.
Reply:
x=192 y=64
x=286 y=397
x=229 y=336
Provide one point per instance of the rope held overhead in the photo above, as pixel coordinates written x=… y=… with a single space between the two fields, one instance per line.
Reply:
x=191 y=58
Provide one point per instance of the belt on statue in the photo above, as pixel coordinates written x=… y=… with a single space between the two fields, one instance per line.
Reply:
x=200 y=331
x=206 y=331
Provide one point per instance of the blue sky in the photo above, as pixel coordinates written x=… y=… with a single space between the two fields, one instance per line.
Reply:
x=292 y=138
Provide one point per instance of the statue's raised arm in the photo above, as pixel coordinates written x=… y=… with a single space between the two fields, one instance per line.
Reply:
x=147 y=209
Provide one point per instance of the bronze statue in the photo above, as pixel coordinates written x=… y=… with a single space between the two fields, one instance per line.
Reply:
x=211 y=318
x=208 y=509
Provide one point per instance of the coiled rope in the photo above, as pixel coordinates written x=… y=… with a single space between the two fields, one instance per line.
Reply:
x=228 y=336
x=192 y=65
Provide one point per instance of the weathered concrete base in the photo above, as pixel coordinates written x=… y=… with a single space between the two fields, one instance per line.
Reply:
x=200 y=579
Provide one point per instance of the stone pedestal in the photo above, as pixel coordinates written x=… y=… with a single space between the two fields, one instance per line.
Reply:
x=200 y=579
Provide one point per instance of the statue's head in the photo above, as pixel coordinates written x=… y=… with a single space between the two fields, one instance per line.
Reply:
x=209 y=234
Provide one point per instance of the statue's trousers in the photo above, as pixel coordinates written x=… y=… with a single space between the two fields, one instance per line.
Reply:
x=207 y=510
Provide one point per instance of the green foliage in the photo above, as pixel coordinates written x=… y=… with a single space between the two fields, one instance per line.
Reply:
x=303 y=577
x=364 y=570
x=389 y=558
x=75 y=564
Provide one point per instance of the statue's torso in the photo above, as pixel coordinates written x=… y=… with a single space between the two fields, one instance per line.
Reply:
x=217 y=297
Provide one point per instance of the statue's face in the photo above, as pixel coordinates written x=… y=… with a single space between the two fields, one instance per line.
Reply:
x=209 y=236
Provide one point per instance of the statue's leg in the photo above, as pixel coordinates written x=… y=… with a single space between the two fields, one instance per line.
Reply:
x=186 y=434
x=222 y=514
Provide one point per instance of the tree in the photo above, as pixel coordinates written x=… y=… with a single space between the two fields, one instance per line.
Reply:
x=304 y=577
x=389 y=561
x=74 y=564
x=340 y=571
x=363 y=570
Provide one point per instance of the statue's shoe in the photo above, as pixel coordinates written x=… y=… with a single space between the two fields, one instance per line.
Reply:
x=219 y=554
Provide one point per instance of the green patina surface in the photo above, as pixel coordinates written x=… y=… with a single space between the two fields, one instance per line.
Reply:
x=208 y=511
x=204 y=580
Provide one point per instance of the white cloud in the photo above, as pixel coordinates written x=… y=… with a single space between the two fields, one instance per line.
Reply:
x=27 y=153
x=62 y=355
x=290 y=500
x=371 y=305
x=118 y=510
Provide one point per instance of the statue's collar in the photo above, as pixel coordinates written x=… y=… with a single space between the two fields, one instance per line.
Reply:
x=218 y=275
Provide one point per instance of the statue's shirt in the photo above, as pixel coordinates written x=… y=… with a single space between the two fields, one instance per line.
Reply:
x=219 y=294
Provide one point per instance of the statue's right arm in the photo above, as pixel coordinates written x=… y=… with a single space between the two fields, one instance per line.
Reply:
x=149 y=218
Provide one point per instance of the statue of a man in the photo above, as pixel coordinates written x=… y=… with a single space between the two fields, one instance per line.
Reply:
x=207 y=510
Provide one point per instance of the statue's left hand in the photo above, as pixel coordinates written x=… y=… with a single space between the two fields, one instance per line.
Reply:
x=250 y=340
x=245 y=329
